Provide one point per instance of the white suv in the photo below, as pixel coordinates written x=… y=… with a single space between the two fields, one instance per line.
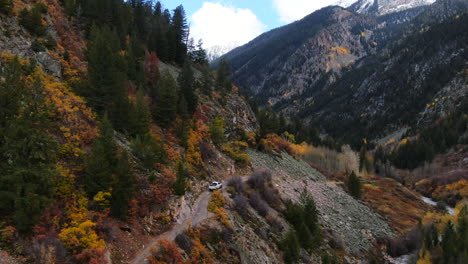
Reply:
x=215 y=186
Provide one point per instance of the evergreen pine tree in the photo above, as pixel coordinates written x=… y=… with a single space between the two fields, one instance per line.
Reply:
x=102 y=162
x=124 y=187
x=180 y=29
x=449 y=247
x=166 y=105
x=206 y=85
x=6 y=6
x=27 y=151
x=106 y=74
x=268 y=121
x=290 y=247
x=149 y=151
x=462 y=233
x=180 y=186
x=223 y=83
x=140 y=117
x=354 y=186
x=187 y=88
x=311 y=218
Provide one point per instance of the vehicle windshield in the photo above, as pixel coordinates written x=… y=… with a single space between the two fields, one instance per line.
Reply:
x=214 y=183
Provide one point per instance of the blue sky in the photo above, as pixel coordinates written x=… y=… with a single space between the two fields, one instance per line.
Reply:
x=263 y=9
x=226 y=24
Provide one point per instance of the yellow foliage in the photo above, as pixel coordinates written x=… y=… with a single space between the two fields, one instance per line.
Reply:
x=200 y=254
x=81 y=236
x=299 y=150
x=403 y=142
x=102 y=199
x=390 y=141
x=424 y=257
x=193 y=150
x=459 y=187
x=64 y=182
x=340 y=50
x=236 y=151
x=222 y=217
x=217 y=200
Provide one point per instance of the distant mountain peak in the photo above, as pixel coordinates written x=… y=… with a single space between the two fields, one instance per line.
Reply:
x=383 y=7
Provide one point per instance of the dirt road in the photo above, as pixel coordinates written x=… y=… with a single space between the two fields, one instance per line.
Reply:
x=189 y=215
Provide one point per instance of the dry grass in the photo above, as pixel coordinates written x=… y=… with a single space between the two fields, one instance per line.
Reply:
x=401 y=207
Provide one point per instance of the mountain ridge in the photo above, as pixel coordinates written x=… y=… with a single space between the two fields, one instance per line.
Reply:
x=292 y=75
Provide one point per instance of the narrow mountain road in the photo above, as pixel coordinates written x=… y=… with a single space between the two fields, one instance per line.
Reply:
x=189 y=215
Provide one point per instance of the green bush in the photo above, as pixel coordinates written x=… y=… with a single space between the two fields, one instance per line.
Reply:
x=217 y=131
x=290 y=247
x=32 y=20
x=6 y=6
x=303 y=216
x=149 y=151
x=236 y=151
x=354 y=186
x=37 y=46
x=50 y=43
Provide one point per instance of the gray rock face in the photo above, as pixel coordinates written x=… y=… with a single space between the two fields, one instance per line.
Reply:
x=356 y=224
x=17 y=41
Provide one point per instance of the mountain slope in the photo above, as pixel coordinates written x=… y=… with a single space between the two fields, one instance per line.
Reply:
x=288 y=60
x=329 y=74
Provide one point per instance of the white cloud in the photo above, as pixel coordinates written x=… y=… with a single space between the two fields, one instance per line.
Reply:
x=292 y=10
x=224 y=26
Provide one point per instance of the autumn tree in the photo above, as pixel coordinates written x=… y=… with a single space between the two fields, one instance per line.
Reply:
x=151 y=68
x=27 y=151
x=166 y=252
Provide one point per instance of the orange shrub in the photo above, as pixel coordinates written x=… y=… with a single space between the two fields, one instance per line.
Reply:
x=274 y=143
x=217 y=200
x=165 y=252
x=222 y=216
x=200 y=254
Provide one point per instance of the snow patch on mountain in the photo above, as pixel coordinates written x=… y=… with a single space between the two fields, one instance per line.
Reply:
x=382 y=7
